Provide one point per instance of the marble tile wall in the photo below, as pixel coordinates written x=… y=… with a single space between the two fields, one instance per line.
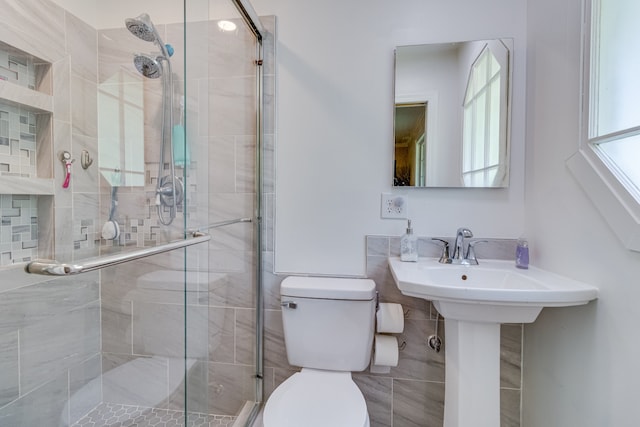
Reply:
x=49 y=347
x=412 y=394
x=50 y=329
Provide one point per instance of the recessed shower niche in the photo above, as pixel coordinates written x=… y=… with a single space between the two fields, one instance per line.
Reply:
x=26 y=156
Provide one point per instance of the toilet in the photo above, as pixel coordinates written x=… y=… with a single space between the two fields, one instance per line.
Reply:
x=328 y=332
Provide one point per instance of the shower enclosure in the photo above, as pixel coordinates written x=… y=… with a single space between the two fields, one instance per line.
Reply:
x=131 y=209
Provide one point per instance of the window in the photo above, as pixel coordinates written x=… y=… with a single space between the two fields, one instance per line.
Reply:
x=608 y=162
x=614 y=121
x=484 y=152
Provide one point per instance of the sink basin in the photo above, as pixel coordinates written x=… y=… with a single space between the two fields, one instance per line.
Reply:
x=493 y=291
x=474 y=300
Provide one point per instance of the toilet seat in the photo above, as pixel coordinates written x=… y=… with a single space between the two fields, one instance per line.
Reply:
x=314 y=398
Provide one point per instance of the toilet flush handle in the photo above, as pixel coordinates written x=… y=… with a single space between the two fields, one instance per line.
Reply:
x=289 y=304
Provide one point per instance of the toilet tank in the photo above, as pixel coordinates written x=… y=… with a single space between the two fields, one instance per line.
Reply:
x=328 y=322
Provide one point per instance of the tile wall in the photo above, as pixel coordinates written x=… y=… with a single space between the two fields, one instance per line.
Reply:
x=17 y=141
x=17 y=125
x=49 y=329
x=17 y=68
x=412 y=394
x=18 y=228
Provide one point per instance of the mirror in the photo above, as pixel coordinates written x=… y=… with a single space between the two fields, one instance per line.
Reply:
x=451 y=115
x=121 y=130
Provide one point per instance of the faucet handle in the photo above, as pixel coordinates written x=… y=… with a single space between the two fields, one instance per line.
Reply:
x=471 y=252
x=444 y=257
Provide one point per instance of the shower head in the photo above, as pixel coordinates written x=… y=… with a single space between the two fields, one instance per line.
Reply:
x=142 y=27
x=147 y=66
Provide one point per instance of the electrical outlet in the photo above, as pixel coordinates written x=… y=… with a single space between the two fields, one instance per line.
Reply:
x=394 y=206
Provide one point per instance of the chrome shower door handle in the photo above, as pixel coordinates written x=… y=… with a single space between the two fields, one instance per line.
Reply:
x=289 y=304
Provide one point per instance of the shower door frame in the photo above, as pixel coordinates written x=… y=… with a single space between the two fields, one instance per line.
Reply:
x=252 y=20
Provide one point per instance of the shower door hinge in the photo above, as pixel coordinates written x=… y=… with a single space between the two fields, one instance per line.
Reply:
x=259 y=62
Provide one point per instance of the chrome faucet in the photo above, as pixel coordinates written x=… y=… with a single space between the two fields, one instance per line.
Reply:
x=460 y=256
x=458 y=247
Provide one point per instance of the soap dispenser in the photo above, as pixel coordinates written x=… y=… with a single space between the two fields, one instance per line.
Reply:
x=409 y=245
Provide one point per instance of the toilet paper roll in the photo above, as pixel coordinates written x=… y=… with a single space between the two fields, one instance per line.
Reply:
x=390 y=318
x=385 y=350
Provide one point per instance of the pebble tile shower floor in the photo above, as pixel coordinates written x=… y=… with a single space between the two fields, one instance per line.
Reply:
x=115 y=415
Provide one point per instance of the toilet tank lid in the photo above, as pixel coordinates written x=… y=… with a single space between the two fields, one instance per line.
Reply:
x=328 y=288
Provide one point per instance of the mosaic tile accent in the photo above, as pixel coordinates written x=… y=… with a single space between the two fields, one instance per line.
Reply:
x=86 y=235
x=117 y=415
x=17 y=68
x=136 y=232
x=18 y=228
x=17 y=141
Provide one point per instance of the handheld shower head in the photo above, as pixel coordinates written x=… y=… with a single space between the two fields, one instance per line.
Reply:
x=147 y=66
x=142 y=27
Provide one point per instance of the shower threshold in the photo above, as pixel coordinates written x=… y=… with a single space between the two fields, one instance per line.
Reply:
x=117 y=415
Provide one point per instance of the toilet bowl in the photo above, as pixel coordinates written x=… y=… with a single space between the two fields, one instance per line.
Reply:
x=314 y=398
x=328 y=331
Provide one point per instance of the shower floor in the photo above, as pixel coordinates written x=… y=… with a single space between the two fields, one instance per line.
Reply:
x=116 y=415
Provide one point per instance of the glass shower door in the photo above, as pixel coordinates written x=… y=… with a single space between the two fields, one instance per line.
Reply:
x=125 y=127
x=83 y=181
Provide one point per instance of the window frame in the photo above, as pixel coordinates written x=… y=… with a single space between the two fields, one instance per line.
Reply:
x=614 y=201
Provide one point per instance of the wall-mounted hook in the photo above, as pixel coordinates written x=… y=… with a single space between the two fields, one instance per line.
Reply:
x=65 y=158
x=85 y=159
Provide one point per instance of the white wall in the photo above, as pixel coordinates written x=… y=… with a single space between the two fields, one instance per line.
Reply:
x=580 y=364
x=334 y=126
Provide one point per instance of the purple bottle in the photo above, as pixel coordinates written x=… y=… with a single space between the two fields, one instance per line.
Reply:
x=522 y=253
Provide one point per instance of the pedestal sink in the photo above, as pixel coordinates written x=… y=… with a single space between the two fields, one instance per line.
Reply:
x=474 y=300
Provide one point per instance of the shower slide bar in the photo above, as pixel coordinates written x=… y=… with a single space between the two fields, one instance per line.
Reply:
x=54 y=268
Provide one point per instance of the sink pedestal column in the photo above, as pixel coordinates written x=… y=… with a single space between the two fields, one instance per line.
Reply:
x=472 y=374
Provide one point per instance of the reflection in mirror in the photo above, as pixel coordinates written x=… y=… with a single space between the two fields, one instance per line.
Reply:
x=452 y=114
x=410 y=162
x=121 y=130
